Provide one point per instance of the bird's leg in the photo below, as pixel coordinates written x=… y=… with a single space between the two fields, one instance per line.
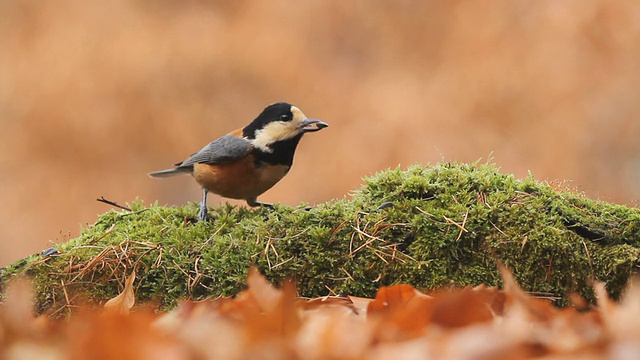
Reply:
x=254 y=202
x=203 y=214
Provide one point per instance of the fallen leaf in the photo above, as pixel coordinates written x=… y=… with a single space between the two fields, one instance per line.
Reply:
x=390 y=298
x=16 y=314
x=536 y=309
x=360 y=304
x=464 y=307
x=401 y=313
x=125 y=300
x=262 y=291
x=327 y=301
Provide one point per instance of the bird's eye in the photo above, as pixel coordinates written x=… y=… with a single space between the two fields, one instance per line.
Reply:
x=285 y=117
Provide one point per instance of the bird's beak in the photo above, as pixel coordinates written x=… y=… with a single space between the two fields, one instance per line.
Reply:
x=311 y=125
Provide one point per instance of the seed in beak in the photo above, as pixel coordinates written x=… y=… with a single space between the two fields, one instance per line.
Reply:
x=312 y=125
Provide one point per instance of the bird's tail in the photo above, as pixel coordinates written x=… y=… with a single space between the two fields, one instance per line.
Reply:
x=168 y=172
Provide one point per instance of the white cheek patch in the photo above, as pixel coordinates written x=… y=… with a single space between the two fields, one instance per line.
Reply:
x=273 y=132
x=261 y=142
x=298 y=116
x=279 y=130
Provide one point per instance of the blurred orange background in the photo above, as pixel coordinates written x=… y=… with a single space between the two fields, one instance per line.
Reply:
x=93 y=95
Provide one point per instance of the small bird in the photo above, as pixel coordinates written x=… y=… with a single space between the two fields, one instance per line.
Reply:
x=249 y=161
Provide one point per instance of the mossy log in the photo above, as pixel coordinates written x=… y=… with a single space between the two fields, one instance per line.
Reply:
x=431 y=227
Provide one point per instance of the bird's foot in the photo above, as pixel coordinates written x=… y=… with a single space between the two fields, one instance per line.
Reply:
x=254 y=203
x=266 y=205
x=203 y=214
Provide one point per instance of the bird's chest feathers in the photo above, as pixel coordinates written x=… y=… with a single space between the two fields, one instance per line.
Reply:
x=241 y=179
x=269 y=173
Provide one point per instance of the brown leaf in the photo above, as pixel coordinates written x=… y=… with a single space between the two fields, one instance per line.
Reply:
x=279 y=319
x=360 y=304
x=262 y=291
x=402 y=312
x=325 y=302
x=16 y=313
x=455 y=309
x=536 y=309
x=115 y=335
x=125 y=300
x=333 y=330
x=390 y=298
x=494 y=298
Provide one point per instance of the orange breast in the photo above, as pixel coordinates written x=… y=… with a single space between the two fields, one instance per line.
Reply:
x=240 y=179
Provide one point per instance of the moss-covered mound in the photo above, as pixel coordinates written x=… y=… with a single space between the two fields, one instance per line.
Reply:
x=430 y=227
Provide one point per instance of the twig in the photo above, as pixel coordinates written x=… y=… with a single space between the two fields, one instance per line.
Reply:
x=95 y=260
x=450 y=221
x=331 y=290
x=112 y=203
x=346 y=272
x=66 y=294
x=193 y=283
x=210 y=239
x=282 y=262
x=109 y=230
x=462 y=228
x=586 y=249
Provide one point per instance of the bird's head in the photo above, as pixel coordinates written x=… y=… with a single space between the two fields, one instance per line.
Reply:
x=280 y=122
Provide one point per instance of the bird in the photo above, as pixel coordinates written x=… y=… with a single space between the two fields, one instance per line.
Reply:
x=248 y=161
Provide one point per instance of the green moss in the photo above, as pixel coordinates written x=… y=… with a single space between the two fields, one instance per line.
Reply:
x=450 y=224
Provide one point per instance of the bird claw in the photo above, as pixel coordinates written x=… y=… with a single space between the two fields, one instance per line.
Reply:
x=255 y=203
x=267 y=205
x=203 y=214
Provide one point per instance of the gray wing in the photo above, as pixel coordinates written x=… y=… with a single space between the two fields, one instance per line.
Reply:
x=223 y=150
